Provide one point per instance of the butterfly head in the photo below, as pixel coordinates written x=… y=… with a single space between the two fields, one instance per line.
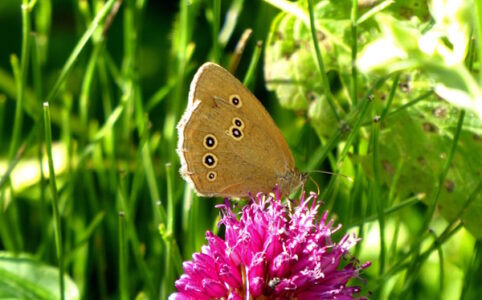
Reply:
x=291 y=181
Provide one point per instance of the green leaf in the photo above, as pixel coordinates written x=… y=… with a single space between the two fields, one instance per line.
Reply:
x=22 y=276
x=322 y=117
x=290 y=61
x=421 y=147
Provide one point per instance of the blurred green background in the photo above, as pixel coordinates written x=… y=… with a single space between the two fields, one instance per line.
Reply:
x=116 y=83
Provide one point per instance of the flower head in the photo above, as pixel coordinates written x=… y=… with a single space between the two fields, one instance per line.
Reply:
x=272 y=252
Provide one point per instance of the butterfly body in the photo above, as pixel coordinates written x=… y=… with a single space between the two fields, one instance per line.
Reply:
x=228 y=143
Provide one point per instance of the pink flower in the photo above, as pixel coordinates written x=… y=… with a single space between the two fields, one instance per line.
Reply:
x=272 y=252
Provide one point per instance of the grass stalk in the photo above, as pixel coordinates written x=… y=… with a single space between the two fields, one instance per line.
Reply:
x=354 y=49
x=321 y=65
x=322 y=151
x=158 y=211
x=123 y=282
x=21 y=78
x=391 y=96
x=215 y=30
x=53 y=189
x=358 y=206
x=239 y=50
x=3 y=101
x=190 y=212
x=380 y=204
x=8 y=229
x=129 y=69
x=441 y=267
x=138 y=176
x=478 y=25
x=17 y=123
x=408 y=104
x=37 y=86
x=445 y=169
x=85 y=94
x=168 y=280
x=251 y=73
x=470 y=274
x=107 y=101
x=357 y=117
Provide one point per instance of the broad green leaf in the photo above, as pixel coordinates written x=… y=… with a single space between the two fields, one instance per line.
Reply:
x=23 y=277
x=421 y=147
x=290 y=61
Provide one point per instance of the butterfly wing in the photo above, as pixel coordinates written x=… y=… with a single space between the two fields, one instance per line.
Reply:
x=228 y=143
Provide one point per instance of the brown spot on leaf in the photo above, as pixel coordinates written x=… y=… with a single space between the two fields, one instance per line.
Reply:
x=405 y=12
x=421 y=160
x=320 y=36
x=449 y=185
x=387 y=167
x=405 y=85
x=440 y=112
x=344 y=127
x=310 y=96
x=429 y=127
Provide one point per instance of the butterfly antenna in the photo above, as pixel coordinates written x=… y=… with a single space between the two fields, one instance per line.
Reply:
x=332 y=173
x=316 y=183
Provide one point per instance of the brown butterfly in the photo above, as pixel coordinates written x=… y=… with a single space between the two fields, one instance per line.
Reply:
x=229 y=145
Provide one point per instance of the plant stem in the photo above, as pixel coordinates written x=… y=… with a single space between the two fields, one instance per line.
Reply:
x=55 y=207
x=123 y=282
x=321 y=66
x=250 y=74
x=354 y=49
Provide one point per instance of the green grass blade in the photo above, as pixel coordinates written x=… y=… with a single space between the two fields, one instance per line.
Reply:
x=53 y=190
x=321 y=65
x=123 y=279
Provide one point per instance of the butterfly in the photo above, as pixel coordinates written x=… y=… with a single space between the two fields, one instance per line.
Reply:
x=229 y=145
